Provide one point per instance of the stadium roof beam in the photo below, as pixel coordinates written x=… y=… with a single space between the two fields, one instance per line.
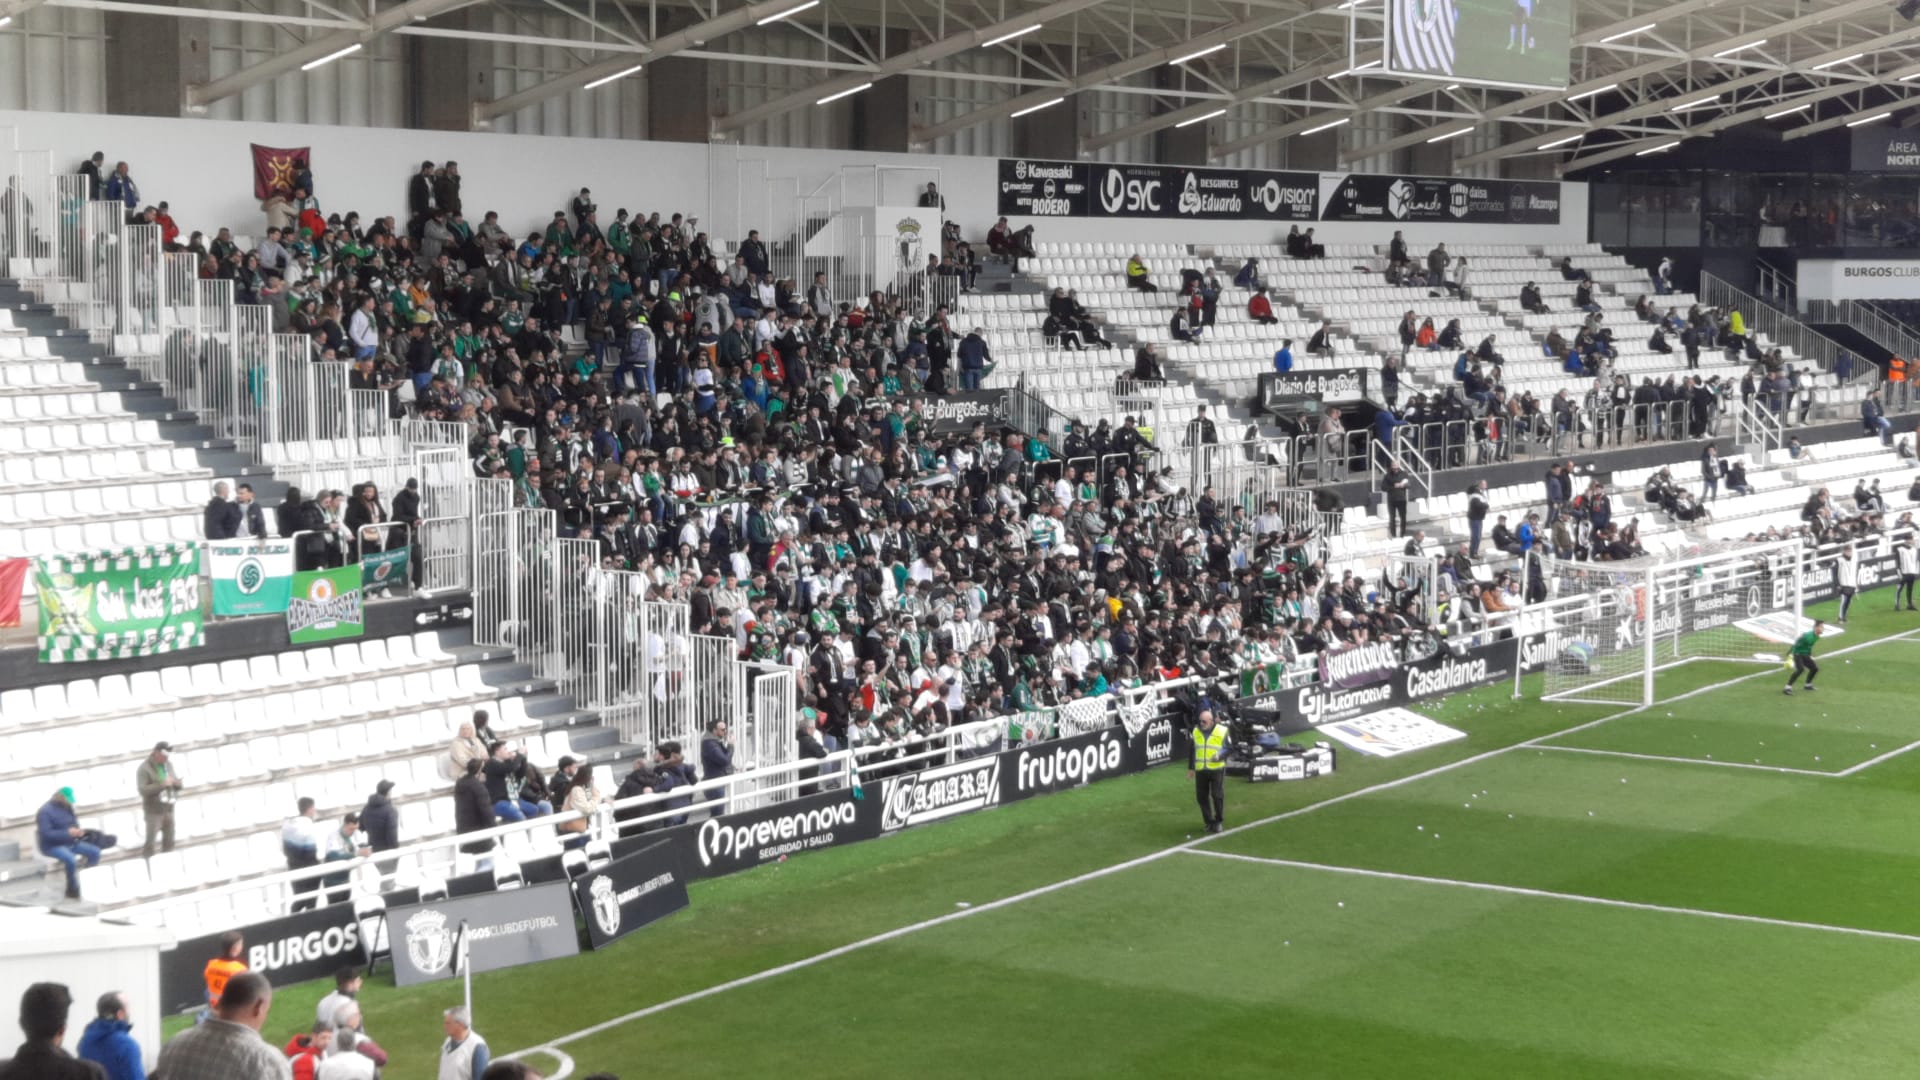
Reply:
x=1119 y=69
x=203 y=94
x=1864 y=113
x=1240 y=96
x=485 y=112
x=1625 y=149
x=901 y=63
x=1334 y=111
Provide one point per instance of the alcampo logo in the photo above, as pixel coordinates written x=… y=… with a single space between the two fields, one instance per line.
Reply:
x=809 y=828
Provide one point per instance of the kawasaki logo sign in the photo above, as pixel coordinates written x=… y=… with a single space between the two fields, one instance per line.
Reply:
x=942 y=792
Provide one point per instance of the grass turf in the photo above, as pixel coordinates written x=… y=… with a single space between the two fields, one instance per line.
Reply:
x=1100 y=977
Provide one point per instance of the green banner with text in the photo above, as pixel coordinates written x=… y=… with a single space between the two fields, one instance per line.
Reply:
x=110 y=605
x=325 y=605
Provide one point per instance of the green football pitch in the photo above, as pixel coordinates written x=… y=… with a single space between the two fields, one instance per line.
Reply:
x=1723 y=886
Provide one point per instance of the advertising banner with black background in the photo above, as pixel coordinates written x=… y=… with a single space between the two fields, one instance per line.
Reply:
x=1030 y=188
x=1352 y=666
x=744 y=840
x=504 y=929
x=310 y=945
x=630 y=892
x=1442 y=673
x=1367 y=197
x=1886 y=150
x=1062 y=763
x=956 y=413
x=1341 y=384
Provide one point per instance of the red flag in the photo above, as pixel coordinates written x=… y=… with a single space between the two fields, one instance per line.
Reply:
x=274 y=168
x=13 y=579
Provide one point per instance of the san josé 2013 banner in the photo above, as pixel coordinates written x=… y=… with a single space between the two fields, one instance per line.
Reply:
x=110 y=605
x=250 y=577
x=326 y=605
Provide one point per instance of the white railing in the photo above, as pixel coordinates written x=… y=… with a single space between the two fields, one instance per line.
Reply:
x=1781 y=329
x=1872 y=323
x=1756 y=425
x=441 y=858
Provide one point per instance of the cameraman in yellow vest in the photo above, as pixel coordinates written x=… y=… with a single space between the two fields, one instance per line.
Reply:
x=1207 y=765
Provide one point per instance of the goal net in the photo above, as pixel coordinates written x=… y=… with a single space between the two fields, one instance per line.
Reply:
x=1607 y=629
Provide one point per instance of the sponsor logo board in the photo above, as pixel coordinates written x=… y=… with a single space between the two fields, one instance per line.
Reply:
x=1390 y=732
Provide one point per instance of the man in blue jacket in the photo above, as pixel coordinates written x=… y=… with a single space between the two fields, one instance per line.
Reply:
x=1283 y=360
x=107 y=1041
x=59 y=835
x=974 y=358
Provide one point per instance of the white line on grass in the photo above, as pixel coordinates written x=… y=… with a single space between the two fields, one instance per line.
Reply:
x=1872 y=761
x=1092 y=875
x=1688 y=760
x=1548 y=894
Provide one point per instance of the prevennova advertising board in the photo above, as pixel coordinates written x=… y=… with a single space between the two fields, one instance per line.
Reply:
x=1439 y=200
x=502 y=929
x=311 y=945
x=744 y=840
x=628 y=893
x=1030 y=188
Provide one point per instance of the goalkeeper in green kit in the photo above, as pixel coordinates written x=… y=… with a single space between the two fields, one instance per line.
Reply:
x=1802 y=653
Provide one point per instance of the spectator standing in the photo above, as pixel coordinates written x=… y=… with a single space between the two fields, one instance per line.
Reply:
x=90 y=169
x=463 y=1056
x=43 y=1019
x=301 y=840
x=305 y=1051
x=343 y=844
x=224 y=966
x=59 y=836
x=467 y=746
x=1476 y=517
x=120 y=188
x=346 y=991
x=228 y=1046
x=108 y=1041
x=159 y=787
x=473 y=810
x=716 y=757
x=221 y=517
x=346 y=1058
x=380 y=819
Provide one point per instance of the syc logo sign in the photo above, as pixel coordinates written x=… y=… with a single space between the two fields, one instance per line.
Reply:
x=1119 y=195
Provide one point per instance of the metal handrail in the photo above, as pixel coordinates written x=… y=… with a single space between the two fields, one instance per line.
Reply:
x=1872 y=324
x=1782 y=329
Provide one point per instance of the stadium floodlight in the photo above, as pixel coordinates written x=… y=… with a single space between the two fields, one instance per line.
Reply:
x=615 y=77
x=1836 y=63
x=1451 y=135
x=1870 y=119
x=1657 y=149
x=1328 y=126
x=331 y=57
x=1009 y=36
x=849 y=92
x=1611 y=38
x=1585 y=94
x=1685 y=105
x=794 y=10
x=1789 y=112
x=1201 y=119
x=1208 y=51
x=1563 y=142
x=1740 y=48
x=1018 y=113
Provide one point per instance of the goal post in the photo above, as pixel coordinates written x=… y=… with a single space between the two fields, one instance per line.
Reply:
x=1605 y=630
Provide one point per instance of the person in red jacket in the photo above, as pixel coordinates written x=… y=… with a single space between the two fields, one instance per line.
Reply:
x=305 y=1051
x=1260 y=309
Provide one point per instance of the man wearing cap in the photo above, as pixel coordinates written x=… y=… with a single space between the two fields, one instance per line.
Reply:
x=59 y=835
x=159 y=788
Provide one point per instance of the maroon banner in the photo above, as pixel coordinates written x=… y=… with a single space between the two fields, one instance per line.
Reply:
x=274 y=168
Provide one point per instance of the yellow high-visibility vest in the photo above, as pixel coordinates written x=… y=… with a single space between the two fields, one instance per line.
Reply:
x=1210 y=749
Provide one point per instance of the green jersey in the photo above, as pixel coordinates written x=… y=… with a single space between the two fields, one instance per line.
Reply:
x=1803 y=645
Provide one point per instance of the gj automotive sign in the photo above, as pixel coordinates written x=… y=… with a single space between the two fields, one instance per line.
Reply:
x=1072 y=189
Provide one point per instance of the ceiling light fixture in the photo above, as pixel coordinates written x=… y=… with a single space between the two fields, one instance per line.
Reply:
x=1201 y=119
x=795 y=10
x=1870 y=119
x=1331 y=124
x=1450 y=135
x=1789 y=112
x=1197 y=55
x=331 y=57
x=1685 y=105
x=844 y=93
x=1609 y=39
x=1740 y=48
x=615 y=77
x=1589 y=93
x=1563 y=142
x=1003 y=38
x=1657 y=149
x=1842 y=60
x=1018 y=113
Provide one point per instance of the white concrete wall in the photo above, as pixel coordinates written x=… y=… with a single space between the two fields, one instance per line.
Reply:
x=202 y=168
x=1858 y=279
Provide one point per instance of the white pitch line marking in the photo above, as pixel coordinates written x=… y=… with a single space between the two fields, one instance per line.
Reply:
x=1573 y=898
x=1688 y=760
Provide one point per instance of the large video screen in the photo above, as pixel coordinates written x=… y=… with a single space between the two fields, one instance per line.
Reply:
x=1523 y=43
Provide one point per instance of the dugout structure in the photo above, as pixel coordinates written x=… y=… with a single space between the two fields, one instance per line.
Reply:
x=1607 y=629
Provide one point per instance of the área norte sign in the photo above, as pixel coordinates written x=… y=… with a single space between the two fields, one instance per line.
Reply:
x=115 y=604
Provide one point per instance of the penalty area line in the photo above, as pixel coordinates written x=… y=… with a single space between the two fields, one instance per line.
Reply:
x=1688 y=760
x=1572 y=898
